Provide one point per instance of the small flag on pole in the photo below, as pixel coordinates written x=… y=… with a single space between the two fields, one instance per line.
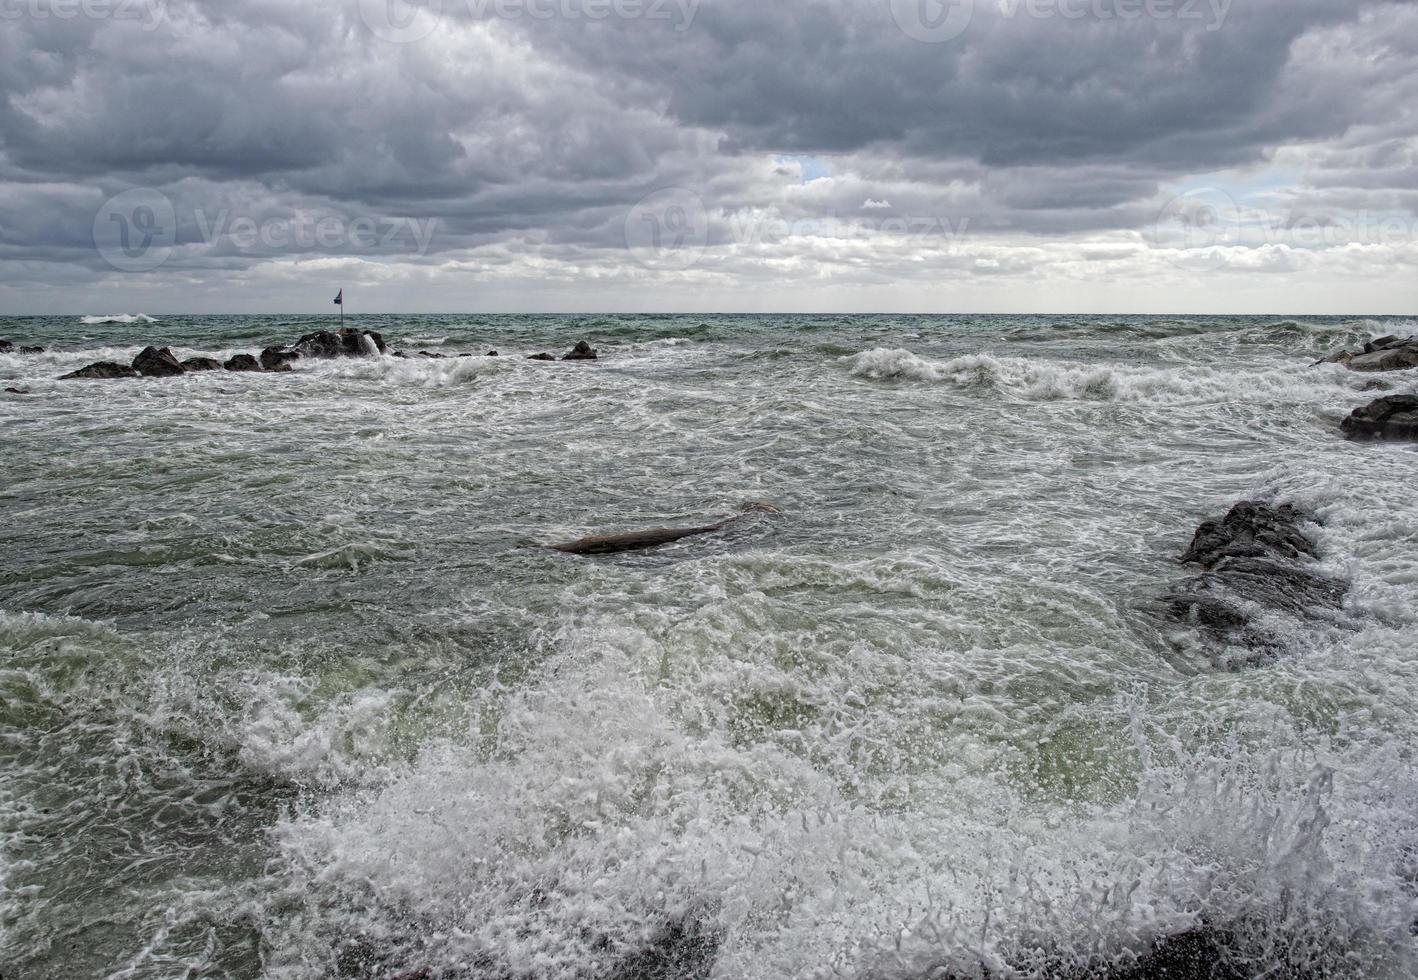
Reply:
x=340 y=299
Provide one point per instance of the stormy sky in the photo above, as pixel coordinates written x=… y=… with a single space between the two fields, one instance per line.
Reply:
x=709 y=155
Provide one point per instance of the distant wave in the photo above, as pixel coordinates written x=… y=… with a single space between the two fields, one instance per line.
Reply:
x=1034 y=379
x=118 y=318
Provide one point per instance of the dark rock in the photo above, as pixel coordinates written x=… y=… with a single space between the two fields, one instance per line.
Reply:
x=541 y=357
x=6 y=346
x=154 y=363
x=400 y=354
x=581 y=352
x=31 y=350
x=202 y=364
x=278 y=357
x=346 y=343
x=432 y=356
x=243 y=362
x=1257 y=559
x=1376 y=386
x=1392 y=418
x=1250 y=530
x=1383 y=354
x=17 y=391
x=491 y=353
x=101 y=371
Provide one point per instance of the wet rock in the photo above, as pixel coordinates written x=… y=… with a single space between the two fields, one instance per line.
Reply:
x=100 y=371
x=582 y=352
x=432 y=356
x=1382 y=354
x=242 y=362
x=541 y=357
x=278 y=357
x=153 y=362
x=491 y=353
x=31 y=350
x=202 y=364
x=1392 y=418
x=1257 y=560
x=17 y=391
x=6 y=347
x=321 y=343
x=346 y=343
x=400 y=354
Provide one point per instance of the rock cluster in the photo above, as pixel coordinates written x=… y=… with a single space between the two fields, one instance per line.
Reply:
x=1383 y=354
x=8 y=347
x=160 y=362
x=1256 y=560
x=1393 y=418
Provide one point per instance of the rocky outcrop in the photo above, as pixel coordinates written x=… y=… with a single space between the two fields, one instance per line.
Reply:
x=347 y=343
x=242 y=362
x=1256 y=561
x=582 y=352
x=6 y=347
x=100 y=371
x=202 y=364
x=153 y=362
x=1383 y=354
x=278 y=357
x=541 y=357
x=1393 y=418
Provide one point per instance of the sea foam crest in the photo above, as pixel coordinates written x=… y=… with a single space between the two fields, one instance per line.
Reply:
x=117 y=318
x=1039 y=379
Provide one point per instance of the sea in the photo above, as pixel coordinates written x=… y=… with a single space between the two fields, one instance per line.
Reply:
x=291 y=687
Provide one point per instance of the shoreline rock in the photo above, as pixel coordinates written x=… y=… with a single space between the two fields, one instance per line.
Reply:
x=1393 y=418
x=202 y=364
x=1383 y=354
x=154 y=363
x=242 y=362
x=1255 y=559
x=100 y=371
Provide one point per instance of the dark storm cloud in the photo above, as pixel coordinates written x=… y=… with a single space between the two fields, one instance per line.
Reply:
x=541 y=133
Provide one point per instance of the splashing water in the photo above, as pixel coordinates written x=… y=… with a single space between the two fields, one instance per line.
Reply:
x=287 y=692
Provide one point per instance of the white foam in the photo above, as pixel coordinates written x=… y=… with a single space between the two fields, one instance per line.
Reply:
x=117 y=318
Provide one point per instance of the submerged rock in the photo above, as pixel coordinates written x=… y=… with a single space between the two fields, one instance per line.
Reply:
x=491 y=353
x=541 y=357
x=242 y=362
x=1392 y=418
x=202 y=364
x=17 y=391
x=100 y=371
x=152 y=362
x=31 y=350
x=1256 y=559
x=430 y=355
x=278 y=357
x=1383 y=354
x=6 y=346
x=582 y=352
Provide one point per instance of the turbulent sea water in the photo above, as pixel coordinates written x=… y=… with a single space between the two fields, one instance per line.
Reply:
x=287 y=690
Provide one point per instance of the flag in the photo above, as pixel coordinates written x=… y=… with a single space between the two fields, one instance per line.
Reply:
x=340 y=299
